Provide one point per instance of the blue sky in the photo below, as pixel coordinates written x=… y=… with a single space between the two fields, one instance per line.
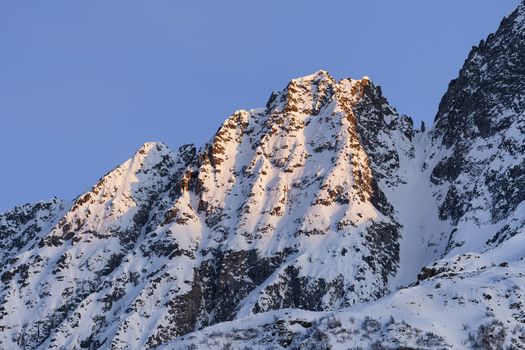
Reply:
x=85 y=83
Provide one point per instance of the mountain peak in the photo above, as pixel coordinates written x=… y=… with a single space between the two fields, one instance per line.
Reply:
x=490 y=79
x=308 y=94
x=323 y=200
x=314 y=77
x=322 y=74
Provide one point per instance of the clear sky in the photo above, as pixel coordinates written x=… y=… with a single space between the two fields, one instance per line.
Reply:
x=84 y=83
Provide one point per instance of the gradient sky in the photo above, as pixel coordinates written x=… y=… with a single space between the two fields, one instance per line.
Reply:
x=84 y=83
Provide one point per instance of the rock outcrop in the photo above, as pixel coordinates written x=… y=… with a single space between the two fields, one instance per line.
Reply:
x=322 y=219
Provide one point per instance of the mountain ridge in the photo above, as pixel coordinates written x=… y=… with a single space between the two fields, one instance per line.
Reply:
x=323 y=219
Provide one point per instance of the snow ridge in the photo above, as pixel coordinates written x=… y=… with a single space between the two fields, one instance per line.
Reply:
x=324 y=219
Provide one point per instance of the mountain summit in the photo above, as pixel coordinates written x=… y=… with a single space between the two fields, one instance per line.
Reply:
x=323 y=220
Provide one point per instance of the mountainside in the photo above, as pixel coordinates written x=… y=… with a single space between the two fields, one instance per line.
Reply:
x=479 y=142
x=323 y=220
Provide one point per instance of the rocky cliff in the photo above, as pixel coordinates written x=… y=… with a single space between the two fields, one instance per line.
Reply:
x=324 y=219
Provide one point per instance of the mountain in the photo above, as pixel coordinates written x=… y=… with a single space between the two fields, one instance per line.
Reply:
x=323 y=220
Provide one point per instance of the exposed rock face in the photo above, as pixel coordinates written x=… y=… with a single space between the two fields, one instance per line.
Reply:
x=479 y=140
x=470 y=303
x=284 y=207
x=325 y=199
x=20 y=227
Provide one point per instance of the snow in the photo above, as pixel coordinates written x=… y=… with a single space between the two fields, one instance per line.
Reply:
x=325 y=200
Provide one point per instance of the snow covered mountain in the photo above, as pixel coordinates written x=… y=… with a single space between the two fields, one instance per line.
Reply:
x=324 y=220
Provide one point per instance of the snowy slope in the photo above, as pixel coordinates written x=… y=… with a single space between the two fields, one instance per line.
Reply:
x=324 y=219
x=22 y=227
x=464 y=218
x=472 y=301
x=283 y=207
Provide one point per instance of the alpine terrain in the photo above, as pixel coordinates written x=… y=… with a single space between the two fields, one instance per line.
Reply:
x=324 y=220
